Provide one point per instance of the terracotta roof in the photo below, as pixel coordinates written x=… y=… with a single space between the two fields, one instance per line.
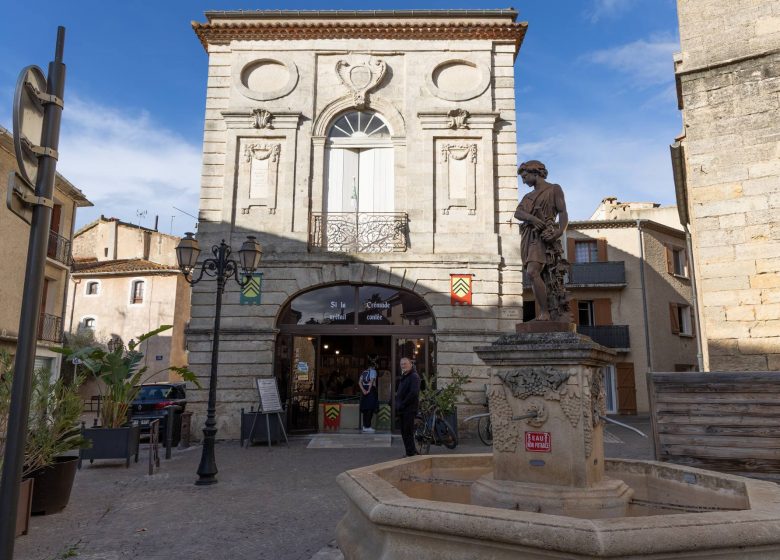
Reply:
x=121 y=266
x=259 y=30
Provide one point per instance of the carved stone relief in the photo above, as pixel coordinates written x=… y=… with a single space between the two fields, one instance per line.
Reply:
x=538 y=381
x=360 y=77
x=506 y=432
x=262 y=118
x=258 y=176
x=457 y=118
x=458 y=177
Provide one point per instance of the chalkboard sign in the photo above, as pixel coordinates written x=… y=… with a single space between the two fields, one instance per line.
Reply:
x=269 y=395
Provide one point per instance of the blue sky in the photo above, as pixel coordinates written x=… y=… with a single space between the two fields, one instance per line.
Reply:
x=594 y=81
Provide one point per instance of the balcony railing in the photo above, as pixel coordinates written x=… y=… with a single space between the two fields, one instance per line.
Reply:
x=594 y=274
x=50 y=328
x=598 y=273
x=59 y=248
x=359 y=232
x=611 y=336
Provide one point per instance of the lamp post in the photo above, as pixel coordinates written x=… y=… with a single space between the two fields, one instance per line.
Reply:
x=221 y=267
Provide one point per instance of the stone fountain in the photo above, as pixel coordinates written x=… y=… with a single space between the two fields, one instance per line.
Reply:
x=547 y=491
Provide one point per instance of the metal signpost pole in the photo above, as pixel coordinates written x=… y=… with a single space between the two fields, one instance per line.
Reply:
x=31 y=302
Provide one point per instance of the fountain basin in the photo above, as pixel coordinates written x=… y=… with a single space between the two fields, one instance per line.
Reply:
x=421 y=508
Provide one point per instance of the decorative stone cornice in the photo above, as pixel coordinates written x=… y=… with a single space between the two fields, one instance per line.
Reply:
x=247 y=118
x=212 y=33
x=446 y=120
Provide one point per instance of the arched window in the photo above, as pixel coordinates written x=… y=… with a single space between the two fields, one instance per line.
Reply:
x=360 y=161
x=137 y=291
x=369 y=305
x=359 y=124
x=89 y=323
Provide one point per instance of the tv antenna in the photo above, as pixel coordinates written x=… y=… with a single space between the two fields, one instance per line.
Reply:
x=141 y=215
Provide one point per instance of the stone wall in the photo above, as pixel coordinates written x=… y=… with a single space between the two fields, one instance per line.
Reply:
x=729 y=82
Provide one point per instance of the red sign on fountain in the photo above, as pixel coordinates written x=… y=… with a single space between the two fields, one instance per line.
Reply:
x=538 y=442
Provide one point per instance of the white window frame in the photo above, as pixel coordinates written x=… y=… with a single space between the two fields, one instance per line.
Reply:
x=593 y=255
x=132 y=291
x=609 y=373
x=592 y=311
x=680 y=262
x=86 y=288
x=685 y=319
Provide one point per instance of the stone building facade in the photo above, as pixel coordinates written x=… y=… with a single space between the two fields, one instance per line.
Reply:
x=13 y=252
x=373 y=154
x=126 y=282
x=728 y=85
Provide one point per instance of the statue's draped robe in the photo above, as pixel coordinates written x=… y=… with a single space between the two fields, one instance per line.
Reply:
x=539 y=203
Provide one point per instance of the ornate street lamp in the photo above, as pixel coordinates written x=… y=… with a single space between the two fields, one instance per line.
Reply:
x=220 y=267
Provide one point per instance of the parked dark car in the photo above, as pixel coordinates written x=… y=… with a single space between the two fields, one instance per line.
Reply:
x=152 y=402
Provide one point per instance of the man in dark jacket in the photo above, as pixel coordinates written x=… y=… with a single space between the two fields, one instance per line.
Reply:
x=407 y=400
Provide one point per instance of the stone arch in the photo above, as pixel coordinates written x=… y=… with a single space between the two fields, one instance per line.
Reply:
x=390 y=282
x=377 y=103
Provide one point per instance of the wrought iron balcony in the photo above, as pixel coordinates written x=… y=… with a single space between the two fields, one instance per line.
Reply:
x=611 y=273
x=593 y=274
x=59 y=248
x=359 y=232
x=50 y=328
x=611 y=336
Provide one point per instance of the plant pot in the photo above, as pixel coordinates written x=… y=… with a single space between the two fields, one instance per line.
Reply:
x=111 y=443
x=23 y=507
x=53 y=485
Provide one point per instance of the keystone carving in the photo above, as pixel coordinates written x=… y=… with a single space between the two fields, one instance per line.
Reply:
x=361 y=77
x=262 y=118
x=457 y=118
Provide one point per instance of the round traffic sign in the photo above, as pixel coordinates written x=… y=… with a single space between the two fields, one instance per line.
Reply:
x=28 y=120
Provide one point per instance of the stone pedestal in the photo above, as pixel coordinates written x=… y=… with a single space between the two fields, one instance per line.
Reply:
x=554 y=461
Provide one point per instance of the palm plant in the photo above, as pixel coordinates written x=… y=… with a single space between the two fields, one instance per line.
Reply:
x=119 y=369
x=55 y=410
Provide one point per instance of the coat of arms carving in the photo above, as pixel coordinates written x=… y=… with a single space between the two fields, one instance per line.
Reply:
x=361 y=77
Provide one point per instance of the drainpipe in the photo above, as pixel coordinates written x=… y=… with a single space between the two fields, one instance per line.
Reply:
x=69 y=271
x=644 y=293
x=694 y=299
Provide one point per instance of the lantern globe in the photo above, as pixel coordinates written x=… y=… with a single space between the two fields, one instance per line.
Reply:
x=187 y=253
x=250 y=254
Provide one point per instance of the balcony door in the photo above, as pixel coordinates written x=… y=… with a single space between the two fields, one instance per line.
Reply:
x=360 y=180
x=360 y=165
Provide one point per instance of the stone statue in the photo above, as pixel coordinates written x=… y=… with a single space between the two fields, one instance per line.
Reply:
x=543 y=217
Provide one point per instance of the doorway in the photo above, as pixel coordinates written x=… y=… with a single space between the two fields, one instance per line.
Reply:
x=329 y=335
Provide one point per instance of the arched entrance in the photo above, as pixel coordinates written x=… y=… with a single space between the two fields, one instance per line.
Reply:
x=329 y=335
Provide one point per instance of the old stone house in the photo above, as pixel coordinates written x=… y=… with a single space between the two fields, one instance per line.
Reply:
x=126 y=282
x=373 y=154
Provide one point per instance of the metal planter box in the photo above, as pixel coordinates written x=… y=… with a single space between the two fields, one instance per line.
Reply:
x=111 y=443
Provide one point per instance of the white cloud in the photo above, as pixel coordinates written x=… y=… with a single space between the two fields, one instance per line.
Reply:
x=600 y=9
x=125 y=162
x=647 y=62
x=592 y=161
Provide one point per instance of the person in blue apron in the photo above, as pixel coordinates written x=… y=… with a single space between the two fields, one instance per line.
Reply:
x=369 y=397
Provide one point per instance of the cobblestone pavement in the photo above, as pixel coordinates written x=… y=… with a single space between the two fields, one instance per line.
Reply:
x=281 y=504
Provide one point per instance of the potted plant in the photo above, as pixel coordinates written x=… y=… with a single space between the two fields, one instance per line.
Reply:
x=119 y=371
x=53 y=431
x=446 y=399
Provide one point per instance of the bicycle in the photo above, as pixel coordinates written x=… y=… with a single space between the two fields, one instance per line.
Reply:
x=430 y=427
x=484 y=424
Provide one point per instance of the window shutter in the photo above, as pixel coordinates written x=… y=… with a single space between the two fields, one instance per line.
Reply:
x=575 y=312
x=693 y=322
x=602 y=309
x=675 y=321
x=601 y=249
x=686 y=271
x=570 y=250
x=669 y=259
